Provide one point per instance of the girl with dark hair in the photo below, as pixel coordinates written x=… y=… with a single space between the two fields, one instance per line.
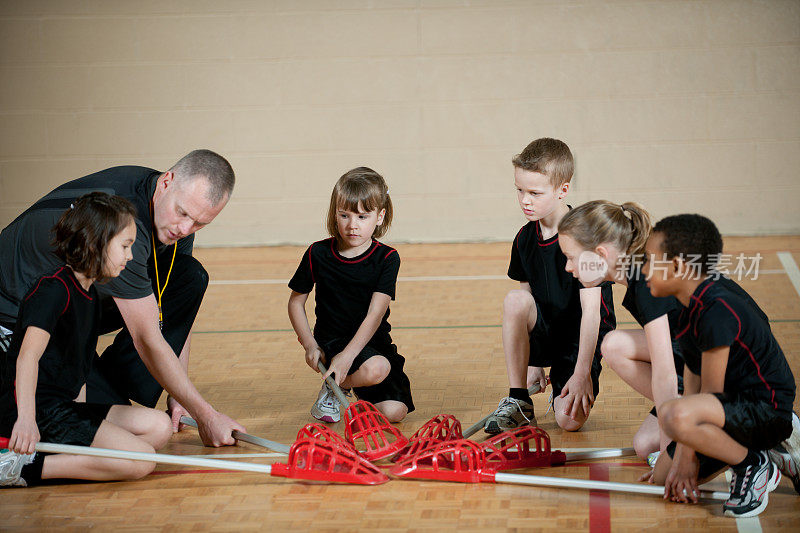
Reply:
x=51 y=353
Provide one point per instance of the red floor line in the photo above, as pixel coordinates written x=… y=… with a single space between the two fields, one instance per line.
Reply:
x=599 y=502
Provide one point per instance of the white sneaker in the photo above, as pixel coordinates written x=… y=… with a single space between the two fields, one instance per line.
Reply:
x=326 y=408
x=787 y=455
x=510 y=414
x=11 y=464
x=750 y=488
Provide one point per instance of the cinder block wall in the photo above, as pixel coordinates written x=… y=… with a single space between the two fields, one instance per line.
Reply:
x=683 y=106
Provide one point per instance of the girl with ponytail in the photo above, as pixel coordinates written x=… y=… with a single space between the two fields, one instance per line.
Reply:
x=604 y=241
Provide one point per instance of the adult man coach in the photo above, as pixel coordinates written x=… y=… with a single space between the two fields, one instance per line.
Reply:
x=156 y=298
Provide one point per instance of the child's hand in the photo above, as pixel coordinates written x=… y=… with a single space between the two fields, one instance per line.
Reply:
x=681 y=482
x=175 y=412
x=24 y=437
x=578 y=393
x=648 y=476
x=536 y=373
x=339 y=367
x=313 y=355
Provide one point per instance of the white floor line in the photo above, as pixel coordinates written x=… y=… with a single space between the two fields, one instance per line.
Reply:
x=413 y=279
x=745 y=525
x=791 y=269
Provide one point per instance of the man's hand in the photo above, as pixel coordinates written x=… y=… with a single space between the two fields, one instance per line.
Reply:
x=578 y=393
x=175 y=412
x=216 y=429
x=536 y=373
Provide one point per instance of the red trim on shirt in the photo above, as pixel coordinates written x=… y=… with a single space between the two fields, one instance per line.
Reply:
x=392 y=251
x=55 y=276
x=80 y=289
x=311 y=268
x=375 y=246
x=540 y=240
x=750 y=353
x=608 y=313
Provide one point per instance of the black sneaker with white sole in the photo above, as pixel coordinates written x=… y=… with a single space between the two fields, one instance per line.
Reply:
x=750 y=488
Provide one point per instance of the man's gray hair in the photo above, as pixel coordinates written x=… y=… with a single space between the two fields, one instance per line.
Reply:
x=211 y=166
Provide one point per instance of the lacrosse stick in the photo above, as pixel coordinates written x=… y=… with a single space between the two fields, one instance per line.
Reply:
x=440 y=428
x=529 y=446
x=310 y=460
x=365 y=424
x=244 y=437
x=464 y=461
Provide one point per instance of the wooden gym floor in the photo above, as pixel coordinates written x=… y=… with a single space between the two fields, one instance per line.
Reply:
x=247 y=363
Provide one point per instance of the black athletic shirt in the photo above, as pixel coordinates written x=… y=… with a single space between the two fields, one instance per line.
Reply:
x=345 y=287
x=26 y=252
x=718 y=316
x=541 y=263
x=60 y=306
x=643 y=305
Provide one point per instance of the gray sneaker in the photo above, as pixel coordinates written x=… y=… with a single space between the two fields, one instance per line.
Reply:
x=750 y=488
x=326 y=408
x=510 y=414
x=786 y=455
x=11 y=464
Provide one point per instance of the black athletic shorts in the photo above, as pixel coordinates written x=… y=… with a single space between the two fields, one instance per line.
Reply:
x=750 y=421
x=62 y=421
x=396 y=386
x=551 y=348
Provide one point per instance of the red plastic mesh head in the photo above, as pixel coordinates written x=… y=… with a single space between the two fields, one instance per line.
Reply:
x=328 y=461
x=457 y=460
x=369 y=431
x=440 y=428
x=317 y=431
x=523 y=447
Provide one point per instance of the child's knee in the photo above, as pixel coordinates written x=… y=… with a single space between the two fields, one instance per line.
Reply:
x=645 y=443
x=375 y=369
x=131 y=470
x=675 y=418
x=137 y=470
x=612 y=347
x=568 y=424
x=518 y=302
x=393 y=411
x=161 y=428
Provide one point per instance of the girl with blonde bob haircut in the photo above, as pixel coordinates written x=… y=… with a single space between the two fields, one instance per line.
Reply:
x=355 y=277
x=604 y=241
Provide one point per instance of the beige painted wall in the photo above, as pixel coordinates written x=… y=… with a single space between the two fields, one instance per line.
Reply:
x=683 y=106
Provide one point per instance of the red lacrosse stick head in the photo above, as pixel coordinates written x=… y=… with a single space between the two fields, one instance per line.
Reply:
x=370 y=432
x=524 y=447
x=318 y=460
x=440 y=428
x=317 y=431
x=456 y=460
